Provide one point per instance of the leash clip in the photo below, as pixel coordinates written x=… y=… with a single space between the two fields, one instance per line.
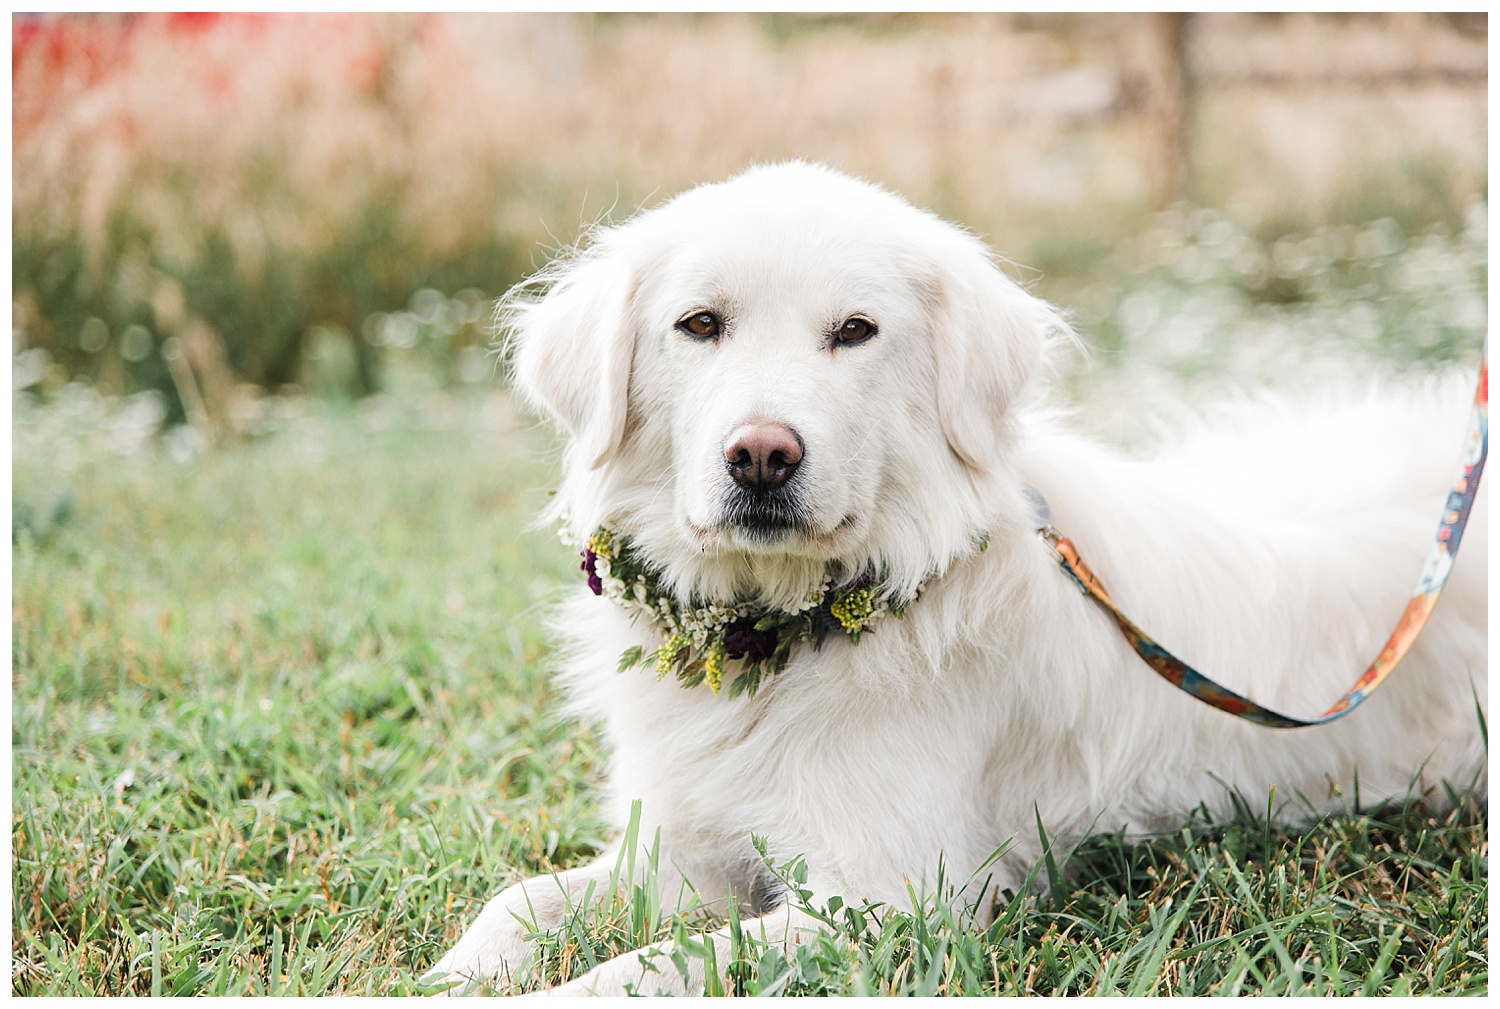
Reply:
x=1054 y=541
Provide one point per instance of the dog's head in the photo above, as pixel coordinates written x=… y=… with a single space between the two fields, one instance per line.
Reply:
x=780 y=372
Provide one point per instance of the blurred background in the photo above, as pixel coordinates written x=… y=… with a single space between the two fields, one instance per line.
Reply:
x=230 y=213
x=276 y=611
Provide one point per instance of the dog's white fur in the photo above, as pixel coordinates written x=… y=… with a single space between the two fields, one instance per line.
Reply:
x=1274 y=551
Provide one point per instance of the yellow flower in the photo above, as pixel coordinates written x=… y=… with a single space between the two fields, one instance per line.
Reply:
x=713 y=664
x=667 y=654
x=602 y=544
x=852 y=609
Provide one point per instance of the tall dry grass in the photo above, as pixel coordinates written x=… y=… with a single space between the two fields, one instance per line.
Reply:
x=259 y=187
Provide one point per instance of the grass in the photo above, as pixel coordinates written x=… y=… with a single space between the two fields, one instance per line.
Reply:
x=281 y=723
x=1391 y=901
x=278 y=714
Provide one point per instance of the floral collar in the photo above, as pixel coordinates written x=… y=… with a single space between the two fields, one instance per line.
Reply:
x=702 y=639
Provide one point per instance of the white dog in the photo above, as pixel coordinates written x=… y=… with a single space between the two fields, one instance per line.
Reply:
x=793 y=386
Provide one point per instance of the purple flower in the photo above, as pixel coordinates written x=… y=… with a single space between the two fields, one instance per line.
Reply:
x=596 y=585
x=743 y=641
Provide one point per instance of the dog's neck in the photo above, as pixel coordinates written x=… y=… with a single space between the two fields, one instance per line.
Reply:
x=737 y=641
x=741 y=639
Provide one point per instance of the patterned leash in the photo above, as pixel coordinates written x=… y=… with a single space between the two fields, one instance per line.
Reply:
x=1418 y=608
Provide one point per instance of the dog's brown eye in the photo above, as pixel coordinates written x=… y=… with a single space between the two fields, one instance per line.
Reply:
x=855 y=330
x=703 y=325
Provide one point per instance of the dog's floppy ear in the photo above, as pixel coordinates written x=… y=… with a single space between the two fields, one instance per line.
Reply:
x=572 y=349
x=988 y=337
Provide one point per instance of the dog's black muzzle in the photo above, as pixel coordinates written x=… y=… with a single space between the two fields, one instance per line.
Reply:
x=766 y=515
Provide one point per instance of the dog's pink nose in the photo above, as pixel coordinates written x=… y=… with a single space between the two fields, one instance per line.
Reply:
x=762 y=457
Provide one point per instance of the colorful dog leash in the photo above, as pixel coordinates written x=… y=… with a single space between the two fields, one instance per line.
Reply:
x=1418 y=608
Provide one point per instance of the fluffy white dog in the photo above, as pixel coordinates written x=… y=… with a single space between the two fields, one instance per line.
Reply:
x=793 y=386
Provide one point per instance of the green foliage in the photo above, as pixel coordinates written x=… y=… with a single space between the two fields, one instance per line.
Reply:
x=1198 y=283
x=1196 y=308
x=785 y=28
x=702 y=639
x=267 y=306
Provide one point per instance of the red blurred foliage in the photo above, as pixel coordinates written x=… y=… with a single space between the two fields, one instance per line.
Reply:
x=67 y=52
x=56 y=58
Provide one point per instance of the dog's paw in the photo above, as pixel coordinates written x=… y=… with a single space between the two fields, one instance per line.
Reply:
x=493 y=954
